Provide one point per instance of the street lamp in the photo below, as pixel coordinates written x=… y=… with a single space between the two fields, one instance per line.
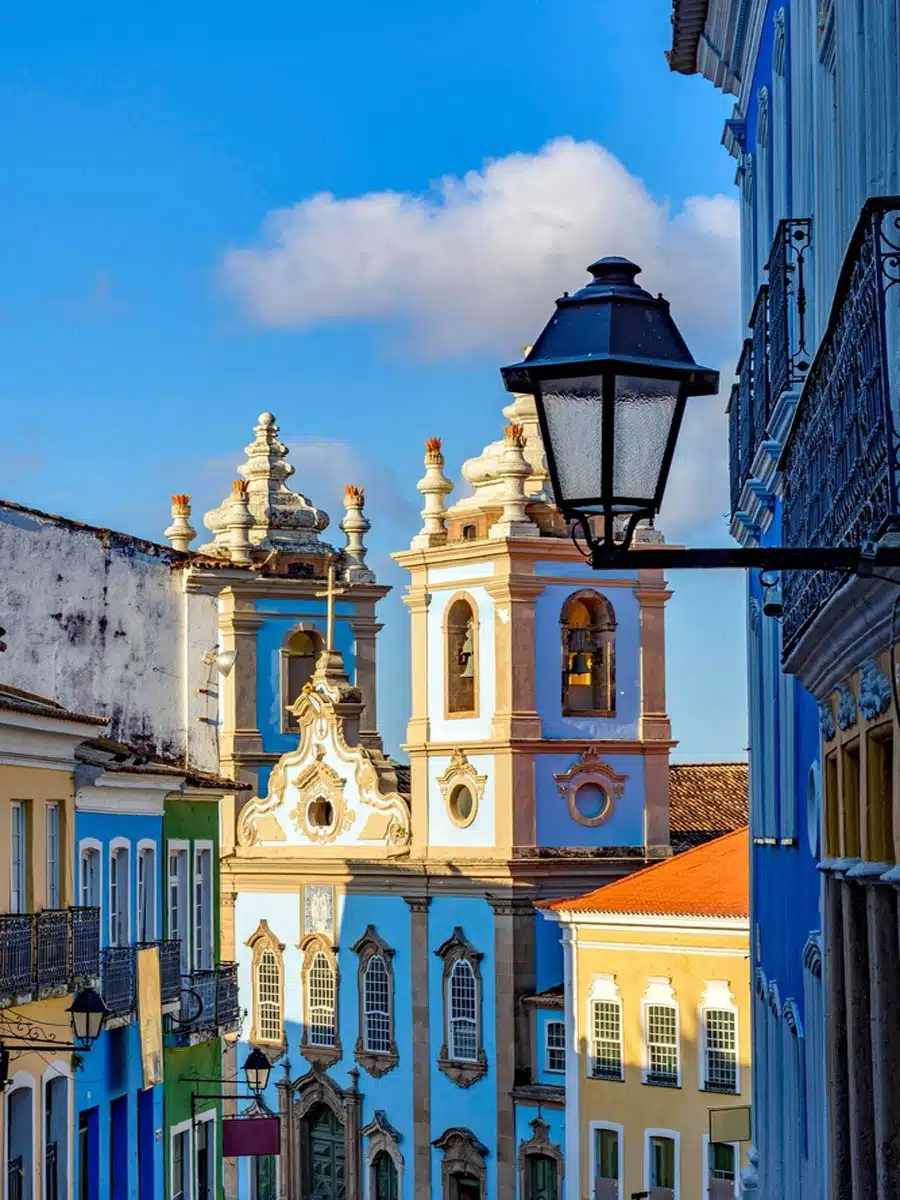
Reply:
x=88 y=1014
x=610 y=376
x=256 y=1071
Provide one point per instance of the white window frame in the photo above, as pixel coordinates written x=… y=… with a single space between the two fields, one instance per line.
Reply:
x=387 y=1012
x=56 y=1070
x=707 y=1180
x=146 y=849
x=717 y=997
x=22 y=1081
x=675 y=1137
x=179 y=847
x=119 y=846
x=452 y=1021
x=554 y=1070
x=604 y=990
x=594 y=1127
x=659 y=992
x=53 y=880
x=184 y=1127
x=207 y=944
x=205 y=1118
x=86 y=846
x=18 y=873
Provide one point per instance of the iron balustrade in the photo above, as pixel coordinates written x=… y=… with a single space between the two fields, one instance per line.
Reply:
x=118 y=979
x=209 y=1000
x=788 y=353
x=744 y=416
x=760 y=405
x=51 y=1172
x=840 y=459
x=52 y=937
x=48 y=951
x=15 y=1178
x=169 y=970
x=734 y=447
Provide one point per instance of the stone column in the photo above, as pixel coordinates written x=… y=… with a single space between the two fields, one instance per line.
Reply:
x=859 y=1040
x=285 y=1188
x=655 y=726
x=515 y=714
x=352 y=1138
x=836 y=1035
x=238 y=626
x=884 y=976
x=505 y=1041
x=421 y=1047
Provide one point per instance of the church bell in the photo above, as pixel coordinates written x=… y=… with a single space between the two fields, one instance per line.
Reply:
x=467 y=655
x=580 y=664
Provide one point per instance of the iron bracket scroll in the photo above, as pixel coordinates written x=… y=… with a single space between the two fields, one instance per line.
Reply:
x=853 y=559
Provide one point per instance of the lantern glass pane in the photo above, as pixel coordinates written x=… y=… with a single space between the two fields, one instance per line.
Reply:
x=573 y=409
x=645 y=409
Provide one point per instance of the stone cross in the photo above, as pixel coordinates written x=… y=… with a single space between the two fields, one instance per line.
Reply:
x=330 y=594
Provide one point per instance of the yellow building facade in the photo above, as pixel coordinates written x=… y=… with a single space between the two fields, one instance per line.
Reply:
x=658 y=1025
x=46 y=946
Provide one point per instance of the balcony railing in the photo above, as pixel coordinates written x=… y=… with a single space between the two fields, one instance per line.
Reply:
x=118 y=979
x=743 y=419
x=840 y=459
x=734 y=446
x=56 y=950
x=788 y=354
x=209 y=1000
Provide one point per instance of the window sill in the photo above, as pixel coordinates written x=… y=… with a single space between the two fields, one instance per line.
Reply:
x=720 y=1091
x=589 y=712
x=377 y=1063
x=602 y=1077
x=463 y=1074
x=663 y=1083
x=321 y=1056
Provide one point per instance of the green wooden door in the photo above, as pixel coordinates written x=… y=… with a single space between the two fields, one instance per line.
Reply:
x=542 y=1177
x=326 y=1153
x=385 y=1177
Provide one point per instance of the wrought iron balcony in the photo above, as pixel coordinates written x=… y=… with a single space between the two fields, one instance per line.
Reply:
x=170 y=970
x=840 y=459
x=788 y=354
x=118 y=979
x=209 y=1002
x=53 y=951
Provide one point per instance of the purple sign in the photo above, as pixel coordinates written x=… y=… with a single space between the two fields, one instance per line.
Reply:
x=242 y=1136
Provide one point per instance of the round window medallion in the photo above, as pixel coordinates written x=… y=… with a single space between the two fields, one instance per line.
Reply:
x=320 y=813
x=592 y=803
x=462 y=805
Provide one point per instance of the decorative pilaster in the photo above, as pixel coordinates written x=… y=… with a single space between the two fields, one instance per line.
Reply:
x=836 y=1041
x=356 y=525
x=513 y=470
x=181 y=533
x=505 y=1040
x=884 y=971
x=420 y=960
x=352 y=1138
x=285 y=1190
x=434 y=486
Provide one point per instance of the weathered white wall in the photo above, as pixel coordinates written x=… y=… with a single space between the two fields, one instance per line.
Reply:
x=96 y=621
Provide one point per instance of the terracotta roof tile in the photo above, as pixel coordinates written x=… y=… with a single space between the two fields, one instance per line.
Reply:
x=711 y=880
x=705 y=801
x=15 y=700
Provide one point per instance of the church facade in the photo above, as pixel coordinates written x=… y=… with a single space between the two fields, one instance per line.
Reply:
x=393 y=965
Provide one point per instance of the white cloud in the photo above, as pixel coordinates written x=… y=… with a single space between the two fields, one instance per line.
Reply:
x=475 y=263
x=696 y=503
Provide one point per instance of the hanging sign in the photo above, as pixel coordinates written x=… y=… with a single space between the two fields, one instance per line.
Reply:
x=244 y=1136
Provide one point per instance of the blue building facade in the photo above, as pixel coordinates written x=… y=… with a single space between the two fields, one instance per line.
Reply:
x=813 y=463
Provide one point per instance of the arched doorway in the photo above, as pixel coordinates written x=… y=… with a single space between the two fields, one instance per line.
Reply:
x=384 y=1177
x=324 y=1159
x=542 y=1177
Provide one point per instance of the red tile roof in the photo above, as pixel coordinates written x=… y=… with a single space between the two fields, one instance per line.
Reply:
x=705 y=801
x=711 y=880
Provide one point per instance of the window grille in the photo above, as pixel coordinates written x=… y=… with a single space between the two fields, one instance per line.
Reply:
x=662 y=1044
x=268 y=998
x=606 y=1024
x=322 y=1028
x=556 y=1046
x=463 y=1012
x=721 y=1050
x=377 y=1006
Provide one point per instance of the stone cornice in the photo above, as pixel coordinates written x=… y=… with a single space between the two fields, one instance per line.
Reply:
x=537 y=746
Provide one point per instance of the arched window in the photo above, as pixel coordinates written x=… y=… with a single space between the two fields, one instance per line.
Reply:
x=299 y=657
x=267 y=976
x=461 y=640
x=588 y=655
x=384 y=1177
x=377 y=1006
x=463 y=1020
x=322 y=1019
x=376 y=1049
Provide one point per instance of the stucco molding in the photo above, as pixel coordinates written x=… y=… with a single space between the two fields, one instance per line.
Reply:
x=462 y=1072
x=590 y=768
x=874 y=690
x=372 y=945
x=319 y=783
x=846 y=715
x=261 y=940
x=464 y=1154
x=827 y=725
x=539 y=1144
x=461 y=773
x=321 y=1057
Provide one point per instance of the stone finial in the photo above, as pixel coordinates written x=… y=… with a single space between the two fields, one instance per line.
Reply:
x=356 y=525
x=237 y=524
x=512 y=468
x=181 y=533
x=434 y=486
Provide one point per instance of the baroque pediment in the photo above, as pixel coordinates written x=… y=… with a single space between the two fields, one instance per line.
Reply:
x=327 y=792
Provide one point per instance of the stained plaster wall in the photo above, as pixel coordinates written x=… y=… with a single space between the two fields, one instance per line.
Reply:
x=96 y=620
x=286 y=616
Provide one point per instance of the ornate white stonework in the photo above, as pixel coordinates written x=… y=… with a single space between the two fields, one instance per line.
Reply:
x=280 y=519
x=328 y=792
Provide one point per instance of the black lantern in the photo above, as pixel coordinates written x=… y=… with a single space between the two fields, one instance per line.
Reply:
x=256 y=1071
x=88 y=1014
x=610 y=375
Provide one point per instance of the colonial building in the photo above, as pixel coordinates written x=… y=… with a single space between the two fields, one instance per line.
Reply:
x=657 y=1025
x=382 y=916
x=813 y=463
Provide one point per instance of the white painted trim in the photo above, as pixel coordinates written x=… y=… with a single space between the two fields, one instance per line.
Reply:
x=80 y=731
x=737 y=1168
x=115 y=845
x=573 y=1071
x=145 y=846
x=58 y=1069
x=174 y=1131
x=633 y=922
x=649 y=948
x=19 y=878
x=185 y=908
x=660 y=994
x=205 y=1118
x=49 y=806
x=676 y=1138
x=594 y=1128
x=135 y=799
x=200 y=846
x=555 y=1020
x=21 y=1081
x=90 y=843
x=603 y=989
x=717 y=997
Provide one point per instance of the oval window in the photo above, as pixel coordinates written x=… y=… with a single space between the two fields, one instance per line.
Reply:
x=462 y=805
x=320 y=814
x=591 y=802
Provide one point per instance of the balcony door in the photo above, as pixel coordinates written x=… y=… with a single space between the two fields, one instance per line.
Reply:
x=56 y=1139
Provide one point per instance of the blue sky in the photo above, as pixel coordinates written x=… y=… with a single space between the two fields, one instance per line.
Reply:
x=145 y=147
